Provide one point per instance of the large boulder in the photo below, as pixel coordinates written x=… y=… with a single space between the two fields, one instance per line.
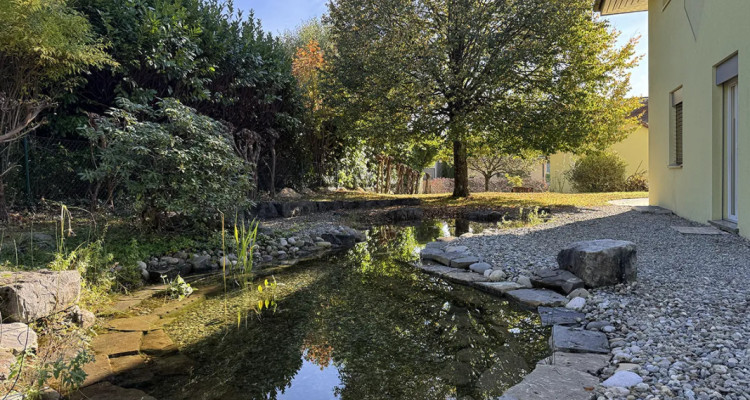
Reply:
x=600 y=262
x=28 y=296
x=17 y=337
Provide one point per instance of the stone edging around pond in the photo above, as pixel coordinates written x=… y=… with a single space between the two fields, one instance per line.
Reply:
x=287 y=209
x=578 y=354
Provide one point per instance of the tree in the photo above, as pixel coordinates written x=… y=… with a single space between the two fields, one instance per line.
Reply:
x=544 y=74
x=44 y=44
x=490 y=163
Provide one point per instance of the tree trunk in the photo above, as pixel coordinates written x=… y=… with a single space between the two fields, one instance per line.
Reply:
x=387 y=185
x=461 y=177
x=487 y=182
x=273 y=171
x=4 y=214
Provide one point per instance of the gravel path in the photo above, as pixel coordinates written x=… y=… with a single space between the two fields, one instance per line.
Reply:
x=685 y=323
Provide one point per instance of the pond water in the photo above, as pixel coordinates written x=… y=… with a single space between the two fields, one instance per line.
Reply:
x=358 y=325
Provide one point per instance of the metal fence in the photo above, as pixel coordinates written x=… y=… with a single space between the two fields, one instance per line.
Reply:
x=48 y=168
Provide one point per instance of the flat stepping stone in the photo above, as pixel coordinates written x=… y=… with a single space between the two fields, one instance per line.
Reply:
x=652 y=210
x=121 y=365
x=430 y=253
x=171 y=306
x=498 y=288
x=108 y=391
x=557 y=279
x=537 y=297
x=573 y=340
x=560 y=316
x=465 y=277
x=131 y=371
x=126 y=304
x=133 y=324
x=446 y=258
x=117 y=343
x=585 y=362
x=436 y=269
x=97 y=370
x=697 y=230
x=435 y=245
x=553 y=382
x=464 y=262
x=456 y=249
x=17 y=337
x=158 y=343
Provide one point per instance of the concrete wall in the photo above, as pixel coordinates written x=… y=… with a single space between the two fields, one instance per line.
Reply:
x=633 y=149
x=688 y=39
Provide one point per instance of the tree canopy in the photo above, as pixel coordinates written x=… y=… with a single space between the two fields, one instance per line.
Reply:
x=538 y=74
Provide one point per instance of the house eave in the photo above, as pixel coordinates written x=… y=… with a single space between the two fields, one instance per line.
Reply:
x=612 y=7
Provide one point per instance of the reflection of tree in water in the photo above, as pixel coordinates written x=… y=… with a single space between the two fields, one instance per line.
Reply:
x=392 y=332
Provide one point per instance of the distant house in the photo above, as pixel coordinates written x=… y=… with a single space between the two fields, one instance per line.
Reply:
x=699 y=117
x=633 y=149
x=438 y=170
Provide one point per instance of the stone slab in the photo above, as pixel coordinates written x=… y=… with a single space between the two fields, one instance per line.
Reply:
x=464 y=262
x=97 y=370
x=557 y=279
x=560 y=316
x=464 y=277
x=17 y=336
x=7 y=359
x=117 y=343
x=446 y=258
x=429 y=253
x=602 y=262
x=553 y=382
x=537 y=297
x=498 y=288
x=158 y=343
x=141 y=323
x=697 y=230
x=436 y=269
x=652 y=210
x=585 y=362
x=108 y=391
x=573 y=340
x=480 y=267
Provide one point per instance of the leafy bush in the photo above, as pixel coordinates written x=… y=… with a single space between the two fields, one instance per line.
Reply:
x=169 y=159
x=598 y=172
x=638 y=182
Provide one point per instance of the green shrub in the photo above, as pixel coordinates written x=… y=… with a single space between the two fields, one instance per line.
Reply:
x=598 y=172
x=170 y=160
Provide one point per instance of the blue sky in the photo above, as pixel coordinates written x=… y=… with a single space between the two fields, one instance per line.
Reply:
x=280 y=15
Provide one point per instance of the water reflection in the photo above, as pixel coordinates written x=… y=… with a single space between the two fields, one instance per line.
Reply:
x=363 y=325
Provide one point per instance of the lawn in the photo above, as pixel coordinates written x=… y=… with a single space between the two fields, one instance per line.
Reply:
x=499 y=200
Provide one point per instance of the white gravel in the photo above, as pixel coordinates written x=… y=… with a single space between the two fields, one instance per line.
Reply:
x=685 y=323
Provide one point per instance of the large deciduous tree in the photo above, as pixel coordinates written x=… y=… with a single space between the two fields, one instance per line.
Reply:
x=541 y=74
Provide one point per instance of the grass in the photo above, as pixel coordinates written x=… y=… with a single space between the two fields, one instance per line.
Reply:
x=500 y=200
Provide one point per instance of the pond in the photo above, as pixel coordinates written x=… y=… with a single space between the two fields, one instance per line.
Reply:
x=358 y=325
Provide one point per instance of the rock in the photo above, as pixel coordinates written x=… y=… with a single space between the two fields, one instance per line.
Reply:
x=486 y=273
x=117 y=343
x=323 y=245
x=446 y=258
x=283 y=242
x=429 y=253
x=573 y=340
x=404 y=214
x=141 y=323
x=84 y=318
x=464 y=262
x=557 y=279
x=600 y=262
x=481 y=267
x=524 y=281
x=584 y=362
x=625 y=379
x=28 y=296
x=7 y=358
x=559 y=316
x=553 y=382
x=498 y=276
x=576 y=304
x=580 y=292
x=158 y=343
x=537 y=297
x=288 y=193
x=17 y=337
x=498 y=288
x=143 y=267
x=171 y=260
x=50 y=394
x=200 y=263
x=108 y=391
x=462 y=276
x=266 y=210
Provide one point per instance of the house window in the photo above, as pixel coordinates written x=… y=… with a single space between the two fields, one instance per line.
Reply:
x=675 y=145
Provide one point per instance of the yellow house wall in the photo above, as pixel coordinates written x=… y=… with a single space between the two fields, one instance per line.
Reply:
x=633 y=149
x=687 y=40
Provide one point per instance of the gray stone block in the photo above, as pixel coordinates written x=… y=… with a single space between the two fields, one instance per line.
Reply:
x=600 y=262
x=557 y=279
x=573 y=340
x=560 y=316
x=534 y=298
